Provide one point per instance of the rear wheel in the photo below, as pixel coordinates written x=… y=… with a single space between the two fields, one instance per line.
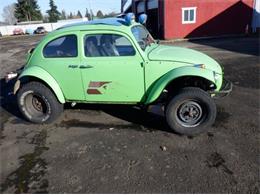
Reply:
x=191 y=111
x=38 y=104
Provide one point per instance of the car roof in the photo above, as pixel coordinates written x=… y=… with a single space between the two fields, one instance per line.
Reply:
x=104 y=21
x=98 y=24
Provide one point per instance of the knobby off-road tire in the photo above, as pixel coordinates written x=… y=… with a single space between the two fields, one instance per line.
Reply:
x=38 y=104
x=191 y=111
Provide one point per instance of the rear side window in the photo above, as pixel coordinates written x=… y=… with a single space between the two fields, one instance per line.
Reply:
x=107 y=45
x=62 y=47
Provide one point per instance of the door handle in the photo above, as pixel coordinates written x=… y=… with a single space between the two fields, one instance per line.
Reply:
x=72 y=66
x=85 y=66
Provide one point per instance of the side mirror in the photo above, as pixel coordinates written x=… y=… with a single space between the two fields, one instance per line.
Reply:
x=142 y=18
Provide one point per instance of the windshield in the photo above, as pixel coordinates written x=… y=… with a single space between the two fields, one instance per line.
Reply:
x=142 y=36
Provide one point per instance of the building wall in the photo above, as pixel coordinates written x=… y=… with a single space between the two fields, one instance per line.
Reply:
x=213 y=18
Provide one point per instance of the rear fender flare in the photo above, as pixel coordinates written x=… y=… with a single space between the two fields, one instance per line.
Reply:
x=39 y=73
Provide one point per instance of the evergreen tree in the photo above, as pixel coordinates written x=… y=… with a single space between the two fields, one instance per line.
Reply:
x=87 y=15
x=91 y=14
x=109 y=15
x=27 y=10
x=100 y=14
x=63 y=15
x=79 y=15
x=54 y=14
x=70 y=16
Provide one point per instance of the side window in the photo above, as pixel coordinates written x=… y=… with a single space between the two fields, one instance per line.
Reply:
x=104 y=45
x=62 y=47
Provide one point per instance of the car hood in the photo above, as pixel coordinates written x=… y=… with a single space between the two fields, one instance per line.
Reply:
x=183 y=55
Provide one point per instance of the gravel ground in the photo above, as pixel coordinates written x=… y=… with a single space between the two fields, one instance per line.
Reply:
x=120 y=149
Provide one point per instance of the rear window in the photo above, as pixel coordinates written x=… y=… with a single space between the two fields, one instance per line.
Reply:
x=62 y=47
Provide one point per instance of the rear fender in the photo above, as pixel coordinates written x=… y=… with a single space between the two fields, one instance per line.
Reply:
x=39 y=73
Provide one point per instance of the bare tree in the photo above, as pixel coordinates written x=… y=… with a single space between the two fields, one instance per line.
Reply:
x=8 y=14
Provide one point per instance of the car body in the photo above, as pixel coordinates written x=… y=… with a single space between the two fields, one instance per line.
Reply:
x=112 y=61
x=40 y=30
x=29 y=31
x=18 y=31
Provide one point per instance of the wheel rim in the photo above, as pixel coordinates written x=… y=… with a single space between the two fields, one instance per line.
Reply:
x=189 y=113
x=36 y=105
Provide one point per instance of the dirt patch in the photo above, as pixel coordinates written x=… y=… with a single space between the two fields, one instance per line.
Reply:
x=216 y=160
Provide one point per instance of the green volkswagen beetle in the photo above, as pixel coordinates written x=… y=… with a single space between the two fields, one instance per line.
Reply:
x=116 y=61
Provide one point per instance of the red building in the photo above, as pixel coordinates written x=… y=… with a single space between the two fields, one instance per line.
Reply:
x=171 y=19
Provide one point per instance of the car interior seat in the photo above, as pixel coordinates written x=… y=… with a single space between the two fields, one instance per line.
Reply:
x=91 y=47
x=108 y=46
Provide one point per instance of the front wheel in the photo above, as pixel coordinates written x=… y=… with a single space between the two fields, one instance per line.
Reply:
x=38 y=104
x=191 y=111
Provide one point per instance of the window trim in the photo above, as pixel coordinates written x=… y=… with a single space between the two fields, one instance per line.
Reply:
x=77 y=46
x=189 y=9
x=106 y=33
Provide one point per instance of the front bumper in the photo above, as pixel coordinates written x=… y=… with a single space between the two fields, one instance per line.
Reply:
x=14 y=74
x=10 y=76
x=225 y=89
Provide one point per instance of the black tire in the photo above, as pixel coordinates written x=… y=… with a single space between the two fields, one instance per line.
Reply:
x=38 y=104
x=191 y=111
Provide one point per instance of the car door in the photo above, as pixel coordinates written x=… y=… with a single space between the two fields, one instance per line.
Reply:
x=111 y=68
x=60 y=58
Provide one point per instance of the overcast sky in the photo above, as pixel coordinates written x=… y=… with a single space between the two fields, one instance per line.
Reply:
x=72 y=5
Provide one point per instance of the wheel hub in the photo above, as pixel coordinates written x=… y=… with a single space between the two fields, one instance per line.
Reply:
x=35 y=105
x=189 y=114
x=36 y=102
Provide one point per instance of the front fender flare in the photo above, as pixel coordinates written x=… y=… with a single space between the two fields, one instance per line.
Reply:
x=155 y=90
x=38 y=72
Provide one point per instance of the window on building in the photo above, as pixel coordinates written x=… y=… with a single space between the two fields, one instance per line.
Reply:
x=140 y=7
x=152 y=4
x=189 y=15
x=65 y=46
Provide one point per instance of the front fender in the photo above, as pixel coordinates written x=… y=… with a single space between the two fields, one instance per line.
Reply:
x=156 y=89
x=38 y=72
